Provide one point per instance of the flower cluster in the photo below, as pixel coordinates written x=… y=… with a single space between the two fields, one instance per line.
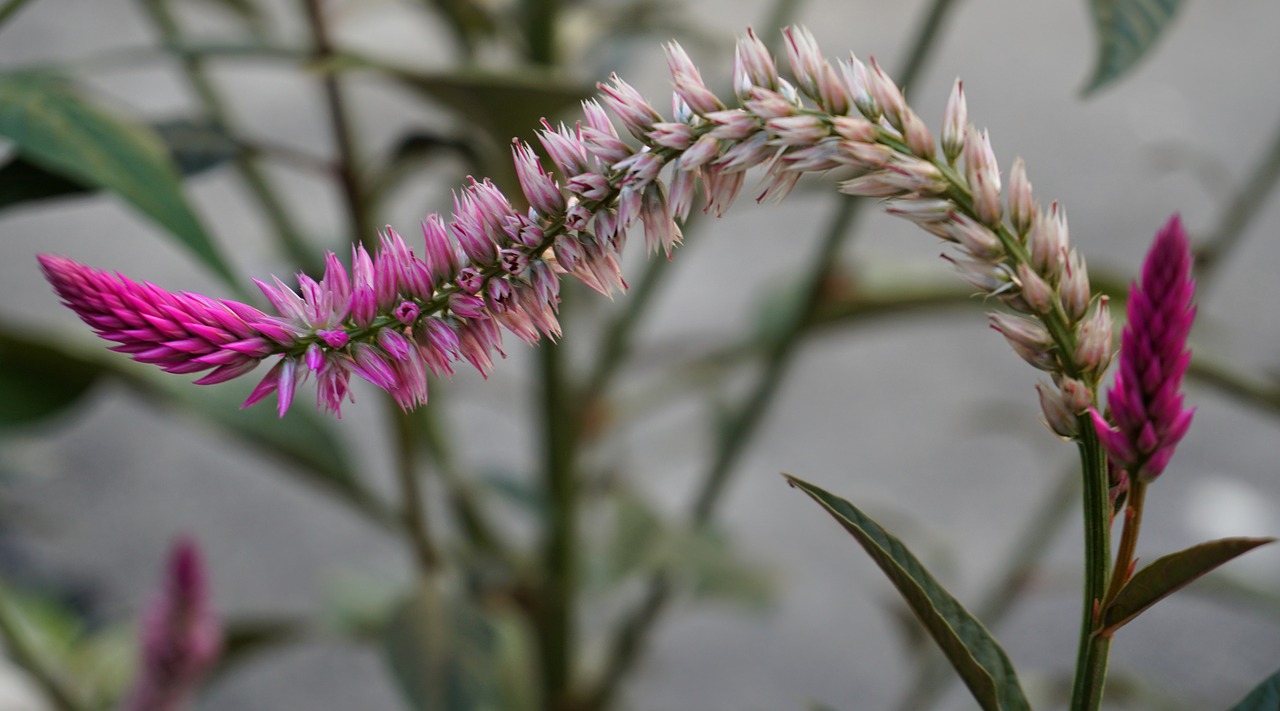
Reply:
x=181 y=638
x=395 y=316
x=1146 y=400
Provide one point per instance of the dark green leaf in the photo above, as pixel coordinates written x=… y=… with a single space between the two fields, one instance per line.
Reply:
x=978 y=659
x=1171 y=573
x=38 y=381
x=448 y=654
x=246 y=11
x=1126 y=30
x=54 y=127
x=1264 y=697
x=194 y=147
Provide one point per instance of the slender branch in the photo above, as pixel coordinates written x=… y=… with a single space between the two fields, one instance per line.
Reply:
x=273 y=208
x=1239 y=213
x=629 y=640
x=540 y=30
x=23 y=653
x=359 y=222
x=413 y=509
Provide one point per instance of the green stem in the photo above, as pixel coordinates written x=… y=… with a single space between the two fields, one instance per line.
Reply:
x=413 y=510
x=23 y=653
x=559 y=553
x=1091 y=659
x=273 y=208
x=358 y=219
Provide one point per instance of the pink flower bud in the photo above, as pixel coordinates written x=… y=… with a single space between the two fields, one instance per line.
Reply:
x=955 y=123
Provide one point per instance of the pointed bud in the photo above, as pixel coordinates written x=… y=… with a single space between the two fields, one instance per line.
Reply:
x=1057 y=414
x=1035 y=290
x=955 y=123
x=1047 y=242
x=1021 y=208
x=1028 y=338
x=1075 y=287
x=1094 y=339
x=984 y=177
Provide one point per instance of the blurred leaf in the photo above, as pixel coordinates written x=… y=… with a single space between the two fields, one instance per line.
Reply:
x=714 y=570
x=1264 y=697
x=417 y=149
x=359 y=604
x=448 y=654
x=637 y=536
x=978 y=659
x=194 y=146
x=38 y=381
x=1170 y=573
x=1126 y=31
x=53 y=127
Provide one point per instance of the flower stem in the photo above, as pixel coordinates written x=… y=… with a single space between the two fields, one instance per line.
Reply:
x=1091 y=659
x=24 y=654
x=413 y=510
x=359 y=223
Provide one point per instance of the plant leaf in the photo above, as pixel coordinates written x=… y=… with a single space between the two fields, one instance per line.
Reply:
x=1126 y=30
x=977 y=657
x=53 y=127
x=449 y=654
x=38 y=381
x=1170 y=573
x=1264 y=697
x=194 y=146
x=246 y=637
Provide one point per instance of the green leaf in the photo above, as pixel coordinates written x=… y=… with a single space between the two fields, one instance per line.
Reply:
x=39 y=381
x=1264 y=697
x=1126 y=31
x=245 y=638
x=448 y=654
x=194 y=146
x=637 y=536
x=977 y=657
x=713 y=570
x=54 y=127
x=1168 y=574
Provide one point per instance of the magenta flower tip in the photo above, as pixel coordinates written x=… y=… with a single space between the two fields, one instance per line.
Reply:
x=1146 y=400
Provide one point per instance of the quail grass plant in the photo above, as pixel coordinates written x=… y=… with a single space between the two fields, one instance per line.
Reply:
x=395 y=316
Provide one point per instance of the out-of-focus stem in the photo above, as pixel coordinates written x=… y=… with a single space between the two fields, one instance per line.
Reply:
x=559 y=551
x=540 y=30
x=359 y=223
x=628 y=641
x=283 y=227
x=1240 y=211
x=1093 y=651
x=21 y=651
x=413 y=509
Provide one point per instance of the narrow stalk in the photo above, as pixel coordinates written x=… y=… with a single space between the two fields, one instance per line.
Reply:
x=629 y=640
x=559 y=552
x=1241 y=210
x=193 y=66
x=22 y=652
x=359 y=223
x=11 y=7
x=471 y=518
x=1091 y=659
x=1120 y=572
x=540 y=30
x=413 y=510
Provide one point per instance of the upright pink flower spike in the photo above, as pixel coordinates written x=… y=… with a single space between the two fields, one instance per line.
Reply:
x=1146 y=399
x=181 y=637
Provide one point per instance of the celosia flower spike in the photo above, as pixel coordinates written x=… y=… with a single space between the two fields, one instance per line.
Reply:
x=180 y=638
x=1146 y=400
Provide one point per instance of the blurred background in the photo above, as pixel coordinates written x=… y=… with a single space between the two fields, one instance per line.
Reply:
x=927 y=420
